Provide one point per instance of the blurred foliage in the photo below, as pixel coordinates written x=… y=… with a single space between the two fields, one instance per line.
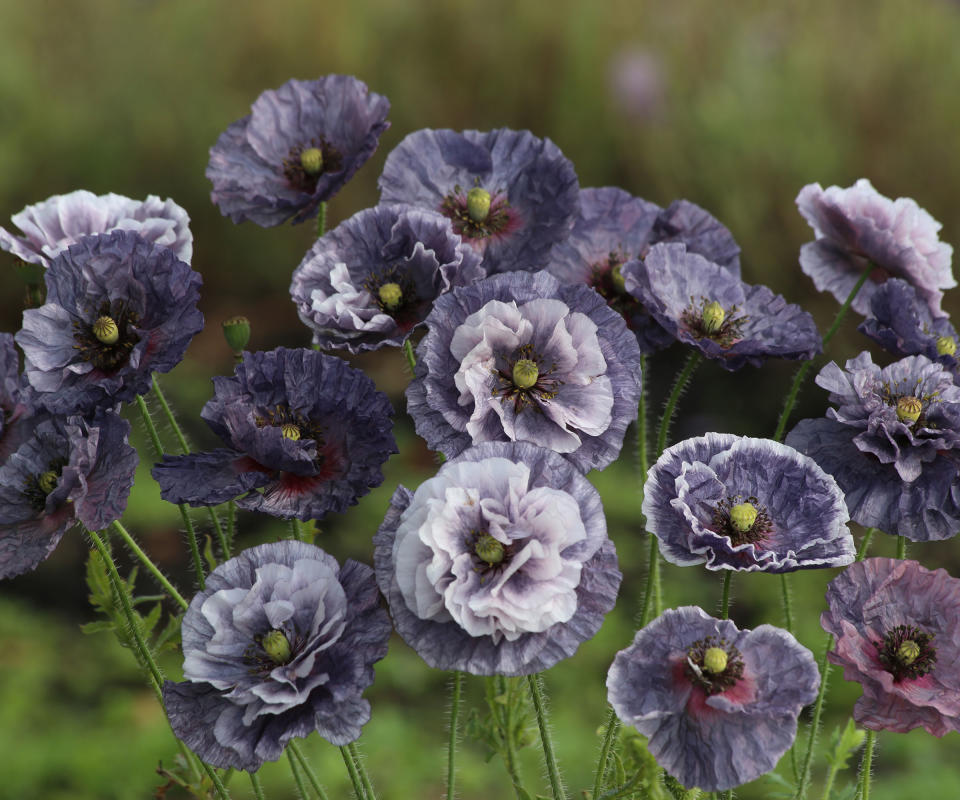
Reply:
x=739 y=107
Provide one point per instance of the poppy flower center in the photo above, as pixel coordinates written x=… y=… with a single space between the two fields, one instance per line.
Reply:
x=710 y=320
x=906 y=652
x=292 y=424
x=477 y=213
x=277 y=647
x=713 y=665
x=38 y=487
x=742 y=520
x=524 y=382
x=909 y=409
x=306 y=163
x=108 y=340
x=488 y=549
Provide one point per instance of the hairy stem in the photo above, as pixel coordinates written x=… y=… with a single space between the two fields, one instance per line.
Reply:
x=613 y=727
x=866 y=766
x=361 y=771
x=455 y=690
x=294 y=747
x=725 y=601
x=148 y=563
x=536 y=694
x=354 y=775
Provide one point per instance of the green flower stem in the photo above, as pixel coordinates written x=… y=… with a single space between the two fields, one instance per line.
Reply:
x=862 y=552
x=679 y=384
x=787 y=602
x=354 y=775
x=798 y=379
x=651 y=594
x=143 y=650
x=866 y=765
x=725 y=602
x=257 y=788
x=455 y=691
x=828 y=783
x=364 y=777
x=411 y=358
x=185 y=448
x=145 y=560
x=231 y=522
x=536 y=694
x=502 y=715
x=322 y=219
x=301 y=789
x=294 y=747
x=184 y=514
x=901 y=547
x=804 y=781
x=613 y=727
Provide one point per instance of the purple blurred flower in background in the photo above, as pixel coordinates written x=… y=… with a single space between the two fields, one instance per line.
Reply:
x=509 y=194
x=897 y=629
x=280 y=643
x=704 y=305
x=500 y=564
x=858 y=225
x=636 y=83
x=371 y=280
x=901 y=323
x=63 y=471
x=307 y=434
x=518 y=357
x=297 y=148
x=118 y=309
x=745 y=504
x=718 y=704
x=52 y=226
x=893 y=444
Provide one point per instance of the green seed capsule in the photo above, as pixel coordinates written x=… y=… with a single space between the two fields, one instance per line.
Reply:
x=715 y=660
x=311 y=160
x=489 y=549
x=525 y=373
x=390 y=295
x=106 y=330
x=909 y=409
x=742 y=516
x=277 y=646
x=713 y=316
x=478 y=204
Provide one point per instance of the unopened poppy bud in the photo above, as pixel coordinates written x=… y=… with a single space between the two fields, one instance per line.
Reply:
x=236 y=331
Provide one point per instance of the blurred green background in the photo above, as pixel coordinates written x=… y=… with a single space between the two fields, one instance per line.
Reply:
x=732 y=106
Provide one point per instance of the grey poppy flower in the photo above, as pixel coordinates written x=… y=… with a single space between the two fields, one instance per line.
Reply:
x=897 y=630
x=118 y=309
x=718 y=704
x=280 y=643
x=893 y=444
x=373 y=279
x=745 y=504
x=901 y=323
x=15 y=399
x=509 y=194
x=498 y=565
x=858 y=225
x=518 y=357
x=706 y=306
x=50 y=227
x=307 y=434
x=65 y=470
x=297 y=148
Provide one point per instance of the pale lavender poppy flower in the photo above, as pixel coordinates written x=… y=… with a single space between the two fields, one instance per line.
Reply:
x=509 y=195
x=718 y=704
x=518 y=357
x=746 y=504
x=280 y=643
x=50 y=227
x=857 y=226
x=897 y=631
x=373 y=279
x=498 y=565
x=297 y=148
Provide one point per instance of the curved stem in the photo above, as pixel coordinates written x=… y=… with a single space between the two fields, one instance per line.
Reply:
x=148 y=563
x=651 y=595
x=787 y=602
x=725 y=602
x=294 y=748
x=804 y=781
x=613 y=727
x=322 y=219
x=862 y=552
x=866 y=765
x=679 y=384
x=642 y=426
x=454 y=720
x=536 y=694
x=354 y=775
x=296 y=775
x=901 y=547
x=502 y=715
x=411 y=358
x=257 y=788
x=798 y=379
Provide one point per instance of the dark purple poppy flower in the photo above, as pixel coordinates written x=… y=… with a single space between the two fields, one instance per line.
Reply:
x=498 y=565
x=297 y=148
x=686 y=223
x=306 y=434
x=64 y=471
x=902 y=324
x=893 y=444
x=718 y=704
x=706 y=306
x=373 y=279
x=280 y=643
x=518 y=357
x=509 y=194
x=897 y=629
x=858 y=225
x=15 y=399
x=745 y=504
x=50 y=227
x=118 y=309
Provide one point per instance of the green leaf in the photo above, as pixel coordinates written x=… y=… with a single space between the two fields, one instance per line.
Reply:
x=844 y=744
x=96 y=627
